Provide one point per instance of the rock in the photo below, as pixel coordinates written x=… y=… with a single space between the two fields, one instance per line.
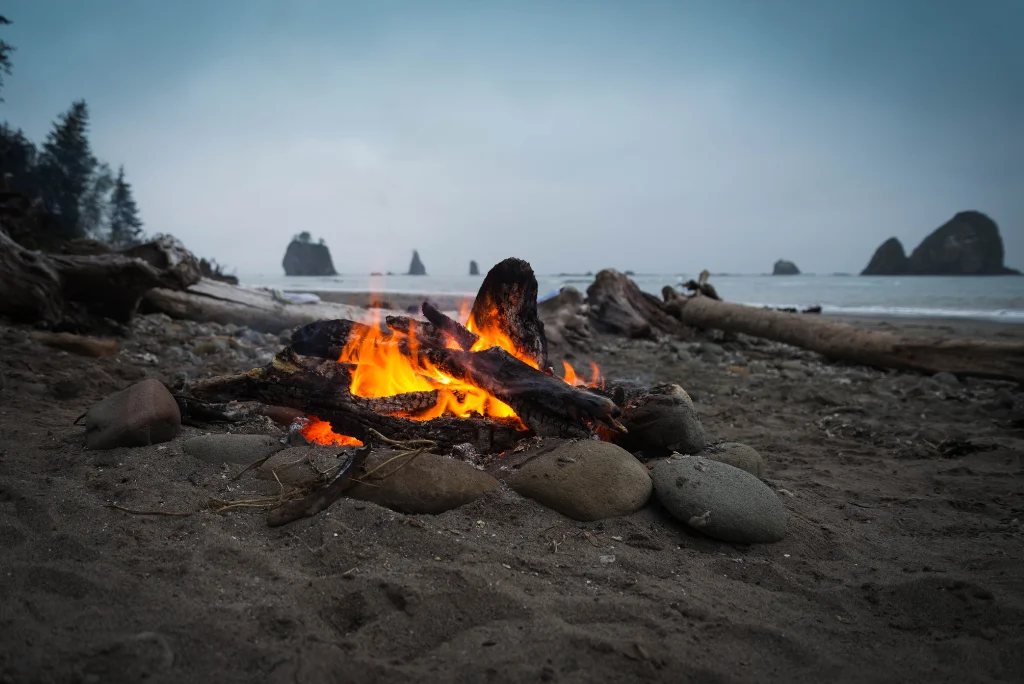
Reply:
x=282 y=415
x=298 y=466
x=584 y=480
x=737 y=455
x=783 y=267
x=711 y=349
x=888 y=259
x=967 y=244
x=661 y=421
x=140 y=415
x=306 y=258
x=565 y=319
x=946 y=379
x=426 y=484
x=77 y=344
x=416 y=267
x=230 y=448
x=719 y=500
x=473 y=268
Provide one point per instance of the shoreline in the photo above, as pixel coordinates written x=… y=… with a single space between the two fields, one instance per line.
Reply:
x=914 y=325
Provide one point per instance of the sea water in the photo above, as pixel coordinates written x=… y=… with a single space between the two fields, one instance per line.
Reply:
x=994 y=298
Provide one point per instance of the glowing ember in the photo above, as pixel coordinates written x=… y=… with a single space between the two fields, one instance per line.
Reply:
x=320 y=432
x=381 y=370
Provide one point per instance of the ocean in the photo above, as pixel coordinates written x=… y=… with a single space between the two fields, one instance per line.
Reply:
x=991 y=298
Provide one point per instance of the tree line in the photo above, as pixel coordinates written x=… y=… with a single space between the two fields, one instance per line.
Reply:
x=62 y=174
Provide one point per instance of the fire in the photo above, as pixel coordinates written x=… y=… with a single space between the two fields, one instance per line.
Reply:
x=595 y=376
x=381 y=370
x=320 y=432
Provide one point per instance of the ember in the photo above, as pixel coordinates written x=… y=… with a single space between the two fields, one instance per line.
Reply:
x=321 y=432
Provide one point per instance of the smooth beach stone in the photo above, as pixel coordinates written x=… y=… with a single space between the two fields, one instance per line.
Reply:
x=227 y=448
x=585 y=480
x=662 y=421
x=426 y=484
x=737 y=455
x=140 y=415
x=719 y=500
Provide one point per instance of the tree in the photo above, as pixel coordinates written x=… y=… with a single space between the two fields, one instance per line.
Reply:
x=18 y=158
x=5 y=55
x=67 y=167
x=94 y=207
x=125 y=224
x=304 y=236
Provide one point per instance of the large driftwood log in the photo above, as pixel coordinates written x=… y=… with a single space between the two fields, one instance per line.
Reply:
x=842 y=342
x=79 y=291
x=619 y=307
x=212 y=301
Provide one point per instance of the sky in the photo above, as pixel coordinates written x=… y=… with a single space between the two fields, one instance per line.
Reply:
x=659 y=137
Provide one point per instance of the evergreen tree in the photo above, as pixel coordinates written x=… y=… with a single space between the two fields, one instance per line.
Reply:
x=5 y=55
x=94 y=207
x=125 y=224
x=67 y=166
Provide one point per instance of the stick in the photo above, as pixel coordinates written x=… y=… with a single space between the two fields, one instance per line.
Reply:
x=463 y=337
x=322 y=498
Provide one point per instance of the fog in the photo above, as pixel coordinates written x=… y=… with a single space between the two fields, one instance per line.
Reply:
x=653 y=137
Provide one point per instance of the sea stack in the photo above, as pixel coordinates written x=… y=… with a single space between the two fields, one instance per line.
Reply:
x=967 y=244
x=416 y=267
x=473 y=268
x=307 y=258
x=783 y=267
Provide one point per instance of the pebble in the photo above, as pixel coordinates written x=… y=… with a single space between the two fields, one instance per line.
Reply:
x=584 y=480
x=738 y=456
x=426 y=484
x=142 y=414
x=719 y=500
x=661 y=422
x=946 y=379
x=231 y=448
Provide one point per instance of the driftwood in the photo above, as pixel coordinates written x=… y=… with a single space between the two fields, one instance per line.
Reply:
x=566 y=323
x=842 y=342
x=212 y=301
x=78 y=291
x=701 y=285
x=507 y=300
x=619 y=307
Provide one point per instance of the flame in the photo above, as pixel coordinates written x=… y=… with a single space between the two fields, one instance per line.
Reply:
x=321 y=432
x=573 y=379
x=381 y=370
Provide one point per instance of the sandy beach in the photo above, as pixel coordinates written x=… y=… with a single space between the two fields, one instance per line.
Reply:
x=902 y=563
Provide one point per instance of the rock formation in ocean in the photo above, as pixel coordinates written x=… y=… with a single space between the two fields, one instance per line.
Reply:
x=416 y=267
x=307 y=258
x=783 y=267
x=889 y=259
x=967 y=244
x=473 y=268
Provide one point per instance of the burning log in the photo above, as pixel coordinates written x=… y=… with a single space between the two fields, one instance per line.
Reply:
x=507 y=302
x=842 y=342
x=618 y=306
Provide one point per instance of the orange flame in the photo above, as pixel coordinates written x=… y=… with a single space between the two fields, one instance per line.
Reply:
x=381 y=370
x=321 y=432
x=595 y=376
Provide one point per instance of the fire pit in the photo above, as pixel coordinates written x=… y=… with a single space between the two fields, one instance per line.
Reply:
x=488 y=383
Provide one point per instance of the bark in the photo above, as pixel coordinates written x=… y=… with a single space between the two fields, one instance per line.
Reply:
x=619 y=307
x=507 y=301
x=842 y=342
x=217 y=302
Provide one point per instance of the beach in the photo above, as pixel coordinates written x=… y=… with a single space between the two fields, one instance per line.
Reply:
x=902 y=561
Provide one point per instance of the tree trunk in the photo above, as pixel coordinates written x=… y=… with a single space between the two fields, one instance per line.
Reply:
x=842 y=342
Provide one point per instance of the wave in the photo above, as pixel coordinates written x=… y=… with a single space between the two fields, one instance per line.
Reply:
x=1005 y=315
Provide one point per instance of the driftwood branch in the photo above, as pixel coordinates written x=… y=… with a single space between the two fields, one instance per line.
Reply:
x=455 y=330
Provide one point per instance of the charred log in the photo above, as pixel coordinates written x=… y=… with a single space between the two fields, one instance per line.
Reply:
x=452 y=328
x=507 y=301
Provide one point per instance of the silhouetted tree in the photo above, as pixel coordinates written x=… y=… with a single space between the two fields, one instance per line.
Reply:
x=66 y=169
x=304 y=236
x=125 y=224
x=5 y=55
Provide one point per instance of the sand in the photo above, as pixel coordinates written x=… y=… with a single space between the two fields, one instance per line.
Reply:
x=903 y=560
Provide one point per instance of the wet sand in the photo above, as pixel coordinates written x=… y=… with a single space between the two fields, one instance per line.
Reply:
x=903 y=561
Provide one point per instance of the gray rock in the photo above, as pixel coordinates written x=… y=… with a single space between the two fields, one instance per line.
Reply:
x=584 y=480
x=712 y=349
x=661 y=421
x=240 y=449
x=737 y=455
x=946 y=379
x=426 y=484
x=719 y=500
x=140 y=415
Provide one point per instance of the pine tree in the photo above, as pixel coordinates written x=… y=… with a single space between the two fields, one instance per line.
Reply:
x=5 y=55
x=67 y=167
x=125 y=224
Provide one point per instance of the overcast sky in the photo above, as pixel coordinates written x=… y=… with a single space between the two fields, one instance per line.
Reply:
x=657 y=137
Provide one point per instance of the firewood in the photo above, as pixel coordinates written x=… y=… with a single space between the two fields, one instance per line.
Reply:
x=847 y=343
x=460 y=334
x=507 y=300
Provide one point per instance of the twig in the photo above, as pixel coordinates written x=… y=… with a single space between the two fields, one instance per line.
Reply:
x=137 y=512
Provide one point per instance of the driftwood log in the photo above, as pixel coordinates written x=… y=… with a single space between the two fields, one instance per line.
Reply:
x=566 y=323
x=79 y=292
x=842 y=342
x=619 y=307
